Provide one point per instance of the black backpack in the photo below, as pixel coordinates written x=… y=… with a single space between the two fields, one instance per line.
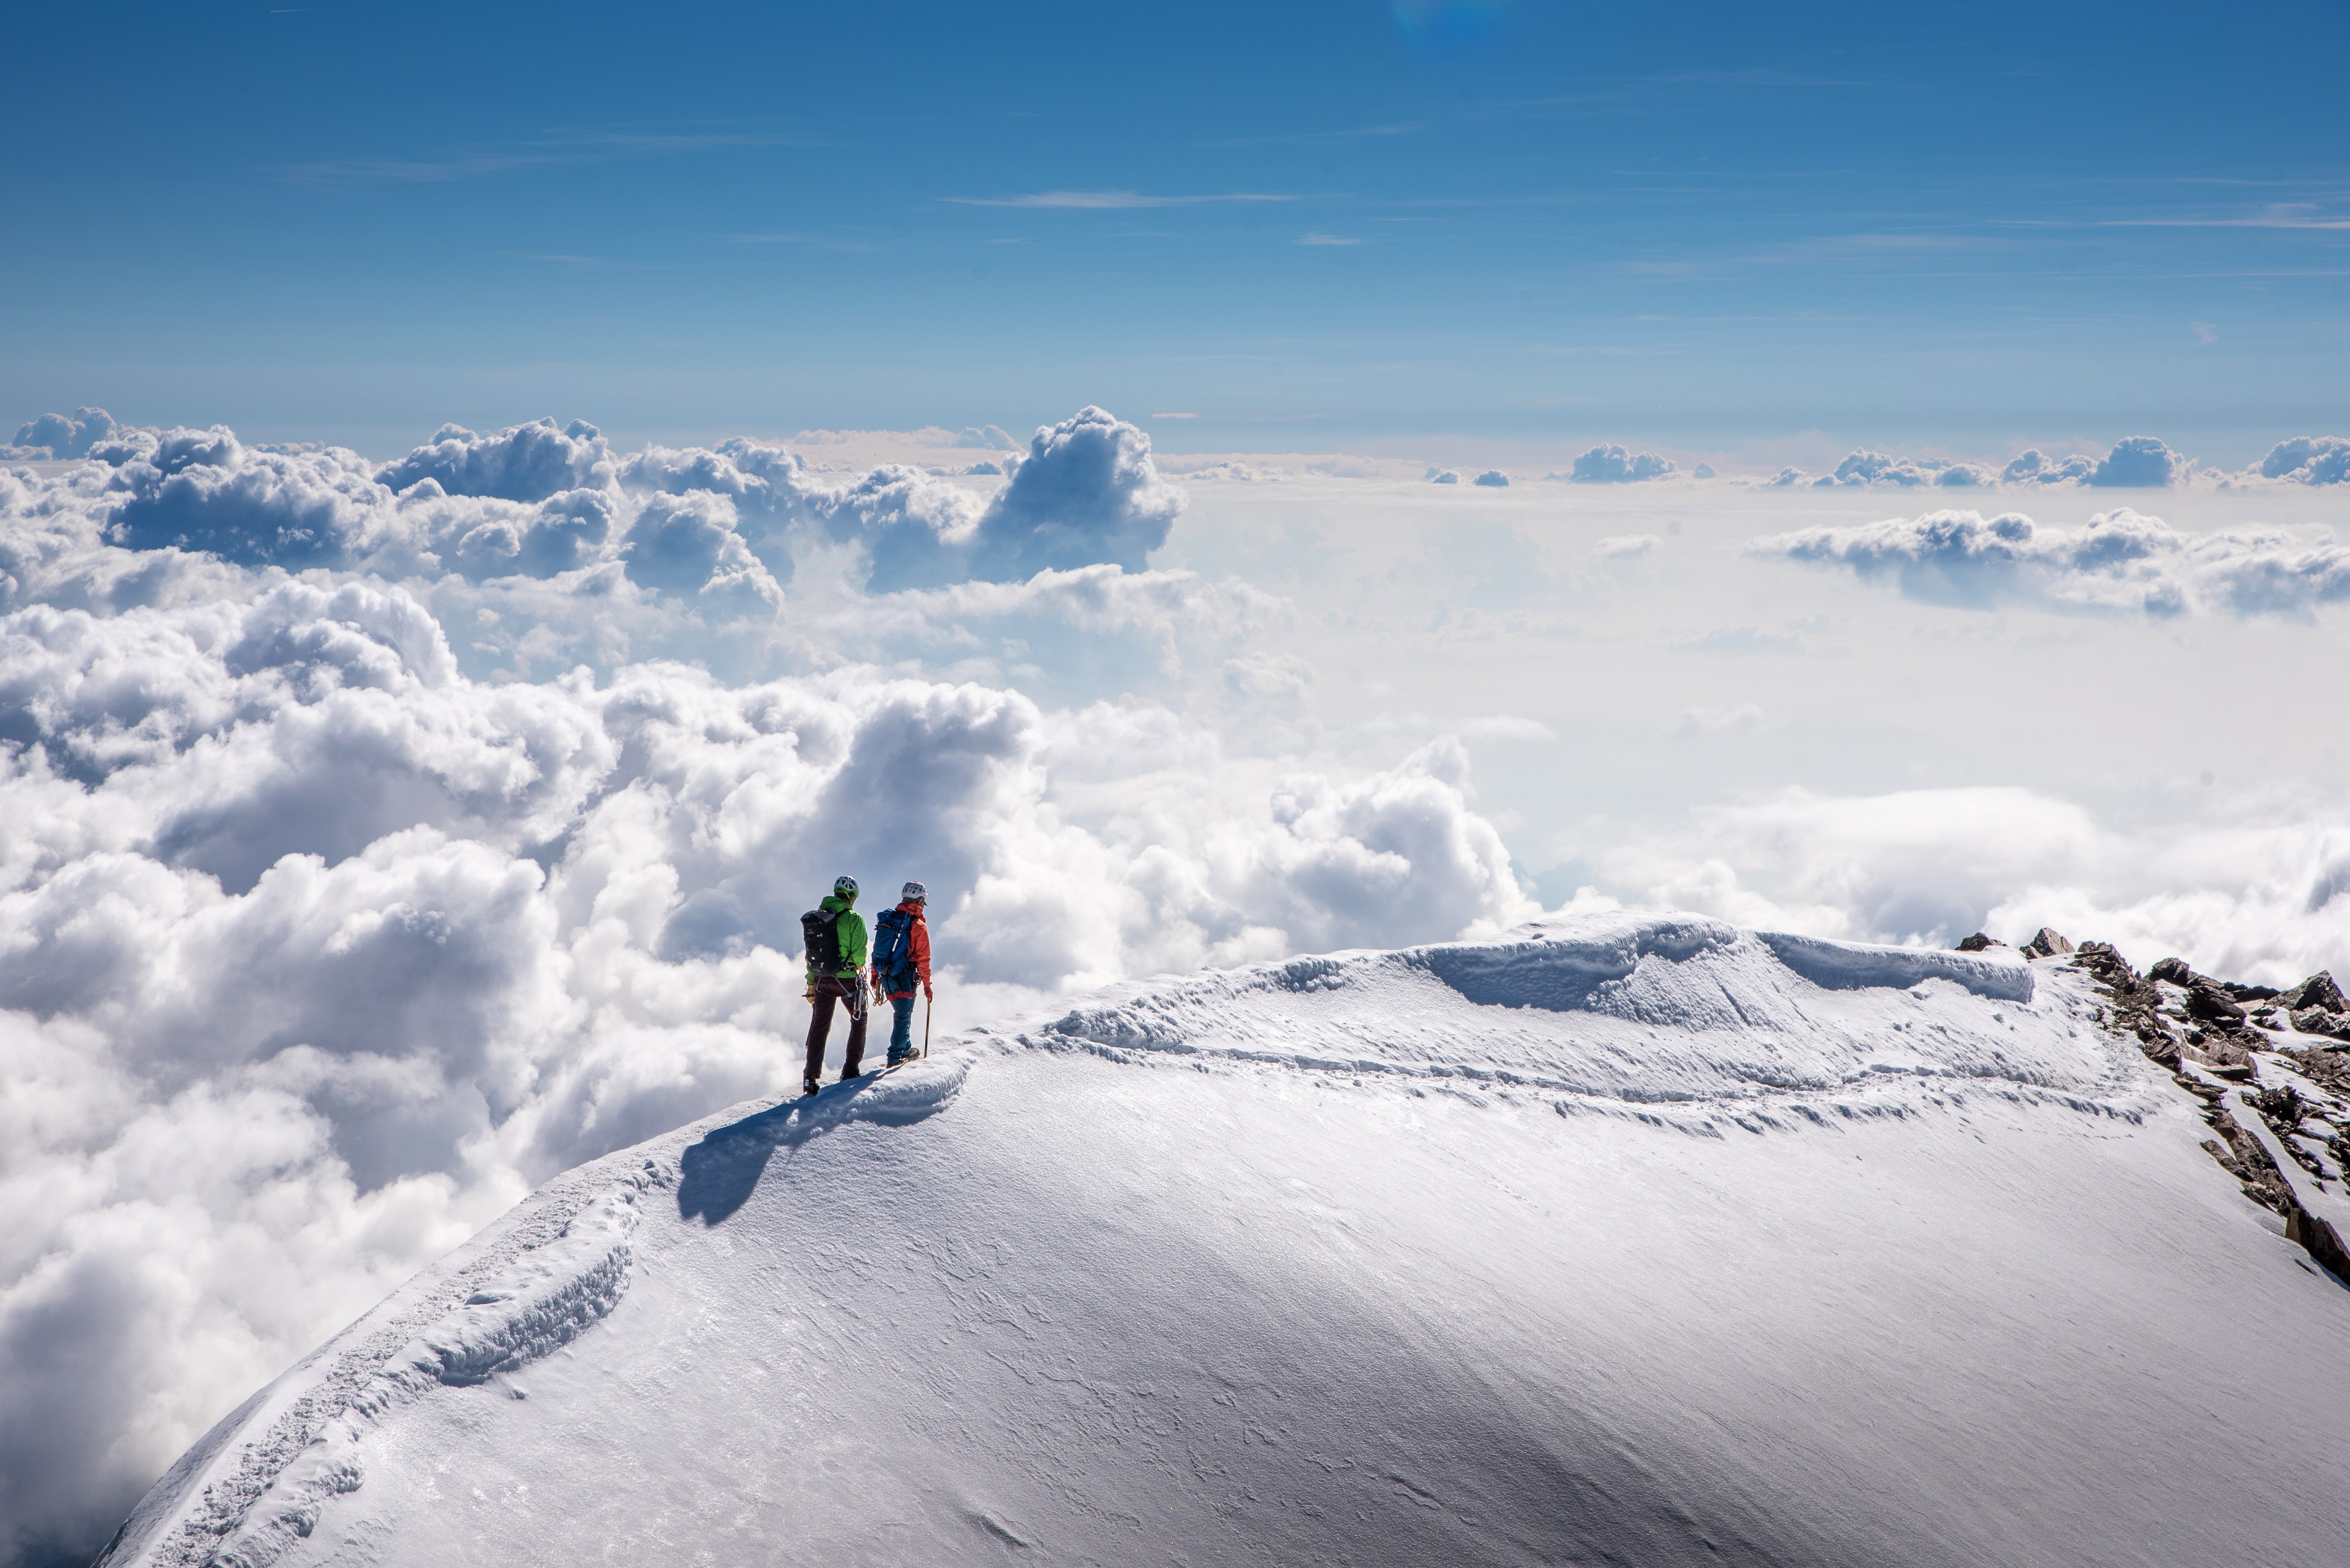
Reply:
x=819 y=935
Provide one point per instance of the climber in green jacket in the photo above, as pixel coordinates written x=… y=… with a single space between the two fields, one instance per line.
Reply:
x=833 y=935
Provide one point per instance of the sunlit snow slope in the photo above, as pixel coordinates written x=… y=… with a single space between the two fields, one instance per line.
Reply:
x=1632 y=1238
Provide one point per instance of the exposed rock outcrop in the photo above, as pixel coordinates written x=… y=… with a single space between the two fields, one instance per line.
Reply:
x=2137 y=1003
x=2318 y=990
x=2243 y=1159
x=2210 y=1004
x=2046 y=943
x=2317 y=1021
x=2210 y=1042
x=2316 y=1007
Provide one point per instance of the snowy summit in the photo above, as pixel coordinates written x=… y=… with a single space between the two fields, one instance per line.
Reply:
x=1626 y=1237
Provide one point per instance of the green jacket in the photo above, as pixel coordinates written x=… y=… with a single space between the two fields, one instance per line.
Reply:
x=850 y=927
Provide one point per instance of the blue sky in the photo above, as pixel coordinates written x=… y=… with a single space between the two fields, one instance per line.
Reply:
x=1709 y=227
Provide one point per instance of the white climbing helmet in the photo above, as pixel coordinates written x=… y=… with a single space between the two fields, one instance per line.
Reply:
x=916 y=893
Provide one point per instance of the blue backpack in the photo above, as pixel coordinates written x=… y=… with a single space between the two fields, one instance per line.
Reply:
x=893 y=949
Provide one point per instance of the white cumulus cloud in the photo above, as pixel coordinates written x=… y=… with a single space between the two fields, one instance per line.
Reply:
x=1611 y=464
x=377 y=840
x=2304 y=460
x=2120 y=562
x=59 y=436
x=2133 y=463
x=527 y=462
x=2259 y=900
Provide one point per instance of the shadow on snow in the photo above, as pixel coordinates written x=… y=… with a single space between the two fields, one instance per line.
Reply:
x=717 y=1174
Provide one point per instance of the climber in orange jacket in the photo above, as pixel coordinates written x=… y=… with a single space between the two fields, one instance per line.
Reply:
x=902 y=956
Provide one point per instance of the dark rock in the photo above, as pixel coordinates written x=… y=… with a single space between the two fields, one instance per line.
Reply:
x=2250 y=993
x=2173 y=969
x=2207 y=1001
x=2319 y=1239
x=2317 y=1021
x=2224 y=1055
x=2284 y=1107
x=2218 y=1151
x=2046 y=943
x=2326 y=1069
x=2104 y=960
x=2137 y=1003
x=2254 y=1168
x=2317 y=991
x=2243 y=1157
x=1978 y=942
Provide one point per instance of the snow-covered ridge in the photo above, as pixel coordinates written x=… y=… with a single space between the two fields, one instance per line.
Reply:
x=1679 y=1013
x=524 y=1305
x=534 y=1281
x=1121 y=1281
x=528 y=1283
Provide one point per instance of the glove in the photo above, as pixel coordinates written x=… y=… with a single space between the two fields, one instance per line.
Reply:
x=811 y=990
x=926 y=991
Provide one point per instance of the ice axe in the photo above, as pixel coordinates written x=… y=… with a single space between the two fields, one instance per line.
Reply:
x=926 y=1021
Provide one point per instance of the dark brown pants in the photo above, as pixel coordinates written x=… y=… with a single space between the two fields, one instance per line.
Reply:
x=850 y=992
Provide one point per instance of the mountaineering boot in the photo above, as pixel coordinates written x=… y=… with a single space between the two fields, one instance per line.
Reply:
x=809 y=1087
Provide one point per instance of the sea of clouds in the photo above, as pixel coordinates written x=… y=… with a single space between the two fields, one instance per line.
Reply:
x=378 y=839
x=2133 y=463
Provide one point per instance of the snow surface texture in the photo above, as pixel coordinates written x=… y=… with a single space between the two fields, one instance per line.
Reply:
x=1631 y=1239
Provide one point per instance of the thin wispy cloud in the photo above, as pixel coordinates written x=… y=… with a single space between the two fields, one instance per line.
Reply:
x=820 y=241
x=1311 y=138
x=1318 y=239
x=1759 y=75
x=508 y=157
x=1653 y=93
x=1909 y=249
x=1499 y=108
x=577 y=261
x=1111 y=200
x=2284 y=215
